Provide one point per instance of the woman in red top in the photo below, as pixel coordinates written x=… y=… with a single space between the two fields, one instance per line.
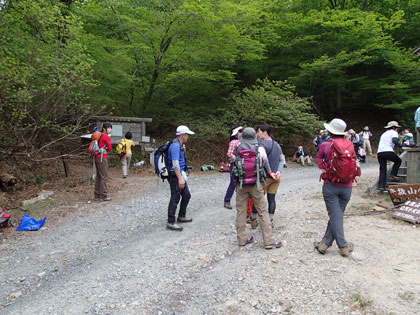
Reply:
x=101 y=163
x=336 y=196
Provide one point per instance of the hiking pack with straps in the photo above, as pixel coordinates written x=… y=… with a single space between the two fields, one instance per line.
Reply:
x=341 y=166
x=161 y=161
x=121 y=148
x=94 y=145
x=248 y=165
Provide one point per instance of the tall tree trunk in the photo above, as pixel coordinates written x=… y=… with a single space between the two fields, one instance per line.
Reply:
x=149 y=94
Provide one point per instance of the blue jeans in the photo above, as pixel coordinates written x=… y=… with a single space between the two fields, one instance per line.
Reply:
x=336 y=199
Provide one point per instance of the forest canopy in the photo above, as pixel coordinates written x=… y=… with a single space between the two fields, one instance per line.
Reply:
x=208 y=63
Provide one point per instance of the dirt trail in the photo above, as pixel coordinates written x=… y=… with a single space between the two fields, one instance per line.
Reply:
x=119 y=259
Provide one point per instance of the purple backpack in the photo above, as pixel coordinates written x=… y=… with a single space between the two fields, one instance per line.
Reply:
x=248 y=164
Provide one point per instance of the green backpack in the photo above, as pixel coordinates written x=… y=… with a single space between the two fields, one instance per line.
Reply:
x=121 y=148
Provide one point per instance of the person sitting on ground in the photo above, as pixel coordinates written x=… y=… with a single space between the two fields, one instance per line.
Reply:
x=362 y=155
x=387 y=143
x=302 y=157
x=126 y=158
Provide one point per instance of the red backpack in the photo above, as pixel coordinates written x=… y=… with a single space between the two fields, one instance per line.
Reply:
x=341 y=166
x=248 y=165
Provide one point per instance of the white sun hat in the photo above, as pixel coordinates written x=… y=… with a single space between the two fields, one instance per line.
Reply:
x=336 y=126
x=236 y=130
x=392 y=123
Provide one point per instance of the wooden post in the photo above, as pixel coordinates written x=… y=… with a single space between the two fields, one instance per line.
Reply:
x=143 y=129
x=413 y=166
x=65 y=164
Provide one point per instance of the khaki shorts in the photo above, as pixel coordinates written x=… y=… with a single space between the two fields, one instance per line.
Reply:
x=271 y=185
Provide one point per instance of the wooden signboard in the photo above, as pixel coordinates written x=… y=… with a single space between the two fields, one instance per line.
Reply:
x=409 y=211
x=401 y=193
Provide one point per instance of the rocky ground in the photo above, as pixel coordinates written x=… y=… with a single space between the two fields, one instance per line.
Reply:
x=118 y=258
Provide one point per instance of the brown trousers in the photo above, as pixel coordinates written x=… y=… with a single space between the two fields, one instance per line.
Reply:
x=260 y=202
x=101 y=177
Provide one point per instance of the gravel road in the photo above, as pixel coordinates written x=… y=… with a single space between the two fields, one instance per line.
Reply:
x=120 y=259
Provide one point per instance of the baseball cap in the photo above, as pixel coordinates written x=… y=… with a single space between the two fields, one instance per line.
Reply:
x=183 y=130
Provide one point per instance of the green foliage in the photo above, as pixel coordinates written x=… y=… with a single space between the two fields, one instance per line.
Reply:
x=45 y=74
x=276 y=103
x=344 y=58
x=151 y=54
x=181 y=61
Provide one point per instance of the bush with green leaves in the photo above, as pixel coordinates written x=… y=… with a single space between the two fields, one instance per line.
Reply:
x=276 y=103
x=45 y=75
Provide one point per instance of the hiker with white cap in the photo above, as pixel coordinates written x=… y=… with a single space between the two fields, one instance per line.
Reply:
x=355 y=139
x=338 y=160
x=233 y=144
x=178 y=179
x=365 y=135
x=387 y=143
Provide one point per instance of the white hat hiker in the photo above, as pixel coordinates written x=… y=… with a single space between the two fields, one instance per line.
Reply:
x=248 y=135
x=391 y=124
x=336 y=126
x=183 y=130
x=236 y=130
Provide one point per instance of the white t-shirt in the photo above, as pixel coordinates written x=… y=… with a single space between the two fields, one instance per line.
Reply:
x=385 y=143
x=366 y=135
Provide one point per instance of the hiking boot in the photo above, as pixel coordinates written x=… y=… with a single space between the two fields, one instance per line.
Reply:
x=227 y=205
x=105 y=199
x=174 y=227
x=321 y=247
x=276 y=244
x=184 y=219
x=97 y=199
x=254 y=223
x=248 y=241
x=346 y=250
x=394 y=178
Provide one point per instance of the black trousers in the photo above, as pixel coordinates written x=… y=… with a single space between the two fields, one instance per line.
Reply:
x=383 y=157
x=176 y=195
